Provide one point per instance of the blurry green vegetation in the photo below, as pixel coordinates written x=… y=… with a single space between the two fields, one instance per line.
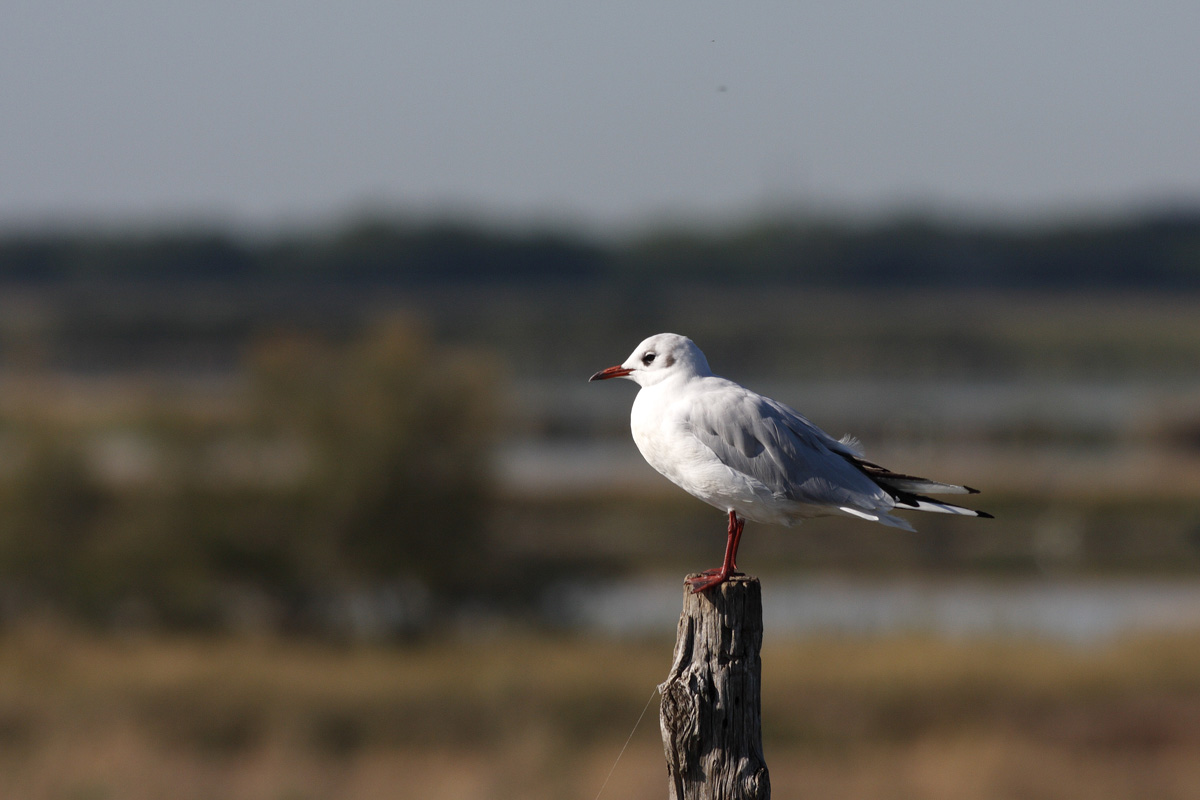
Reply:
x=398 y=434
x=358 y=467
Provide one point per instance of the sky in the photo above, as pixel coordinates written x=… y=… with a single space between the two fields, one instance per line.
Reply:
x=614 y=115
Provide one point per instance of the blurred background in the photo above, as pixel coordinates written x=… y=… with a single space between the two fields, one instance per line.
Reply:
x=304 y=493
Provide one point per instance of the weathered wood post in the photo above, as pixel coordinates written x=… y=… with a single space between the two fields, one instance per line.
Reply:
x=711 y=707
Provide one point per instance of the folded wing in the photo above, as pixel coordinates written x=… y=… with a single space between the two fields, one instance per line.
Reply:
x=796 y=460
x=782 y=450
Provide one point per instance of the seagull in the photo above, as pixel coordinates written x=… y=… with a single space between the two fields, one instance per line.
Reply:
x=753 y=457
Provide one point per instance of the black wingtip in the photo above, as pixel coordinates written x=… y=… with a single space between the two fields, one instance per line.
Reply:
x=971 y=490
x=984 y=514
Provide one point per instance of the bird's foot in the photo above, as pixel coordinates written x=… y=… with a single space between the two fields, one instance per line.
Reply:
x=710 y=578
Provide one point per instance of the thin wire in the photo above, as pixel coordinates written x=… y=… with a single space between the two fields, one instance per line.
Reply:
x=627 y=741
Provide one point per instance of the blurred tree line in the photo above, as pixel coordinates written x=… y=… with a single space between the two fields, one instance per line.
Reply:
x=348 y=487
x=1158 y=251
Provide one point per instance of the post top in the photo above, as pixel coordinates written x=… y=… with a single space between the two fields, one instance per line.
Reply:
x=738 y=579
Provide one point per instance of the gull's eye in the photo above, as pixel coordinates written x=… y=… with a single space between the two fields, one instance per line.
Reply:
x=648 y=359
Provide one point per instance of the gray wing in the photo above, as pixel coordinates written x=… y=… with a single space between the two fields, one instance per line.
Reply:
x=781 y=449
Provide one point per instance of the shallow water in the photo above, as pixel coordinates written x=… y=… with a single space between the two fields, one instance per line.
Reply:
x=1065 y=610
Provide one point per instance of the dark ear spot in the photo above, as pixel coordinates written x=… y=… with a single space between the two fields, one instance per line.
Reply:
x=669 y=360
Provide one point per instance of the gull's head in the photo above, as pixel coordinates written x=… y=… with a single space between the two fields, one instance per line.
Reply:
x=659 y=358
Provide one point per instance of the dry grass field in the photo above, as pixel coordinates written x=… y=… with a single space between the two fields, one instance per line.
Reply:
x=520 y=716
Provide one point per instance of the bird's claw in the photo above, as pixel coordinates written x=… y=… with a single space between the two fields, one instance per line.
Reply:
x=710 y=578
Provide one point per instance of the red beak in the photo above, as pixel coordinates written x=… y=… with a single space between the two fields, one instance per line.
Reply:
x=611 y=372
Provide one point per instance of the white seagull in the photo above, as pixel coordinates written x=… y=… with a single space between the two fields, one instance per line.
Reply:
x=753 y=457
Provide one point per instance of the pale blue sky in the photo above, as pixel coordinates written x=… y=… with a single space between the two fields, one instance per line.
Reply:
x=617 y=113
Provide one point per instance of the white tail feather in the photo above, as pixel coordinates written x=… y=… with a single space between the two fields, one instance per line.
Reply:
x=886 y=519
x=922 y=504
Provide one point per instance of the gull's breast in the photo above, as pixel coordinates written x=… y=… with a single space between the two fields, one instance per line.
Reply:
x=664 y=438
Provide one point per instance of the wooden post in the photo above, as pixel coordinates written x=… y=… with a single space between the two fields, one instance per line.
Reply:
x=711 y=703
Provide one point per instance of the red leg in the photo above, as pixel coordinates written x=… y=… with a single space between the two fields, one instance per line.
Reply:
x=715 y=577
x=737 y=540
